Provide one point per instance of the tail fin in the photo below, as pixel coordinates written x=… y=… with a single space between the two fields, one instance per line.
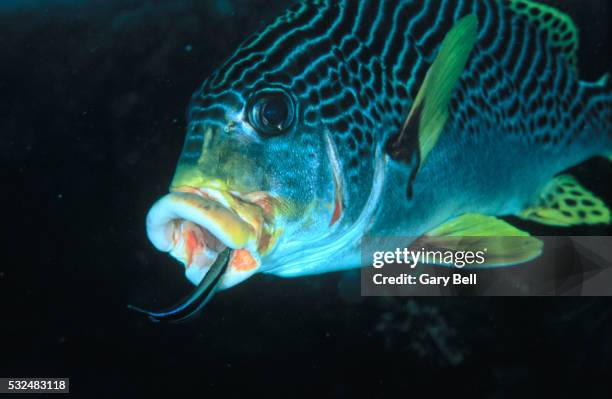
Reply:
x=598 y=110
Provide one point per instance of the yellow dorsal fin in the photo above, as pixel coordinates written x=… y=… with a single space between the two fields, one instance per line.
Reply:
x=503 y=244
x=562 y=32
x=564 y=202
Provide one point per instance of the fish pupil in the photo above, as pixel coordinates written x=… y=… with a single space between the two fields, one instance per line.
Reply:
x=271 y=112
x=274 y=112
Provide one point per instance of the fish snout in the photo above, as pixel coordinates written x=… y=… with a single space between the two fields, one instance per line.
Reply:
x=195 y=225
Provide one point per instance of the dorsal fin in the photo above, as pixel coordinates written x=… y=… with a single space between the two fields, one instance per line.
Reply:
x=562 y=32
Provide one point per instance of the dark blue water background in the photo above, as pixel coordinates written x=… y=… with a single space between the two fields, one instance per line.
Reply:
x=92 y=104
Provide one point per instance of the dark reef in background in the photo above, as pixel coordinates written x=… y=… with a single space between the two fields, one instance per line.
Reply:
x=92 y=103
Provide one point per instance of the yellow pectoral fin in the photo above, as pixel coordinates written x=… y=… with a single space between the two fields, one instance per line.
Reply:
x=502 y=243
x=564 y=202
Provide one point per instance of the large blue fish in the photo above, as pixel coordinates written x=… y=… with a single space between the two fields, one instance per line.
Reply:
x=390 y=118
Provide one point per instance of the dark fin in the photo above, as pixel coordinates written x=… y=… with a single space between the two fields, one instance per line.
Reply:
x=193 y=304
x=564 y=202
x=504 y=244
x=429 y=111
x=562 y=32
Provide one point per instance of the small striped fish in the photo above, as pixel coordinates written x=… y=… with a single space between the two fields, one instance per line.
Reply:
x=408 y=118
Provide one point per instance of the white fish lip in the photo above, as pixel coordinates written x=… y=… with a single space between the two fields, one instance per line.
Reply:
x=224 y=224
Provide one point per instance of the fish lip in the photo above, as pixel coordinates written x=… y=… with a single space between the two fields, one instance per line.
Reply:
x=222 y=216
x=204 y=212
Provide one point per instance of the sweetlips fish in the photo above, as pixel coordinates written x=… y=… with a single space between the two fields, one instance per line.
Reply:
x=347 y=118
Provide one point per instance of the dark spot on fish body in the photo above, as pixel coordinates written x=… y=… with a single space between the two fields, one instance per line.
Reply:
x=571 y=202
x=353 y=65
x=334 y=76
x=312 y=78
x=329 y=110
x=566 y=123
x=399 y=110
x=358 y=117
x=344 y=75
x=341 y=126
x=299 y=86
x=314 y=96
x=471 y=112
x=322 y=69
x=310 y=117
x=549 y=103
x=387 y=105
x=326 y=92
x=347 y=101
x=542 y=121
x=336 y=86
x=401 y=92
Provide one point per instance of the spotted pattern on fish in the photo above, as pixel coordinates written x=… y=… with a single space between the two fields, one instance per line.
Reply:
x=356 y=65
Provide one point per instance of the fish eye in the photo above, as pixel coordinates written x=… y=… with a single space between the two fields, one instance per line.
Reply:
x=271 y=112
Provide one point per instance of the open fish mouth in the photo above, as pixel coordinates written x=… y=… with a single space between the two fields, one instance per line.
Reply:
x=195 y=225
x=218 y=236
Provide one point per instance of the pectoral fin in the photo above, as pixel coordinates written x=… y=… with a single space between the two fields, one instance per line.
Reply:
x=564 y=202
x=429 y=111
x=502 y=243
